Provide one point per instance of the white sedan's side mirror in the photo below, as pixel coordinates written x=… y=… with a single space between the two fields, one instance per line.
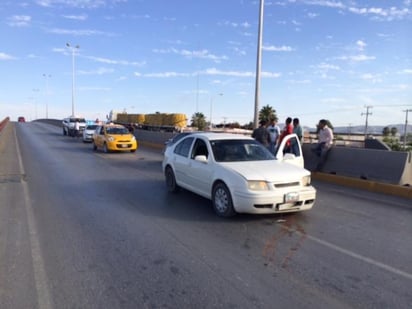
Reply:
x=201 y=158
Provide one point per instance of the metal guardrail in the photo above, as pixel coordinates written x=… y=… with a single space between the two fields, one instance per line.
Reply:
x=4 y=122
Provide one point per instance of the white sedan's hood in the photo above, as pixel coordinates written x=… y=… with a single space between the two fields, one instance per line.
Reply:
x=272 y=170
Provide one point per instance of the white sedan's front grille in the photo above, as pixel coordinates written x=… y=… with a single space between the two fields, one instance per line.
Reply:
x=285 y=185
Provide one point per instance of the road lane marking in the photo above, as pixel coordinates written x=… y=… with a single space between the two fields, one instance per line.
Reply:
x=40 y=277
x=361 y=257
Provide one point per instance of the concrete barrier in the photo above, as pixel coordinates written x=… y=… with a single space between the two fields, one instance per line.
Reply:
x=392 y=167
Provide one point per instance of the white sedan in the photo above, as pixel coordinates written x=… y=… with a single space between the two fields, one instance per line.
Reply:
x=88 y=133
x=240 y=175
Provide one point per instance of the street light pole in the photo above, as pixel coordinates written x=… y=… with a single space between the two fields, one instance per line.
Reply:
x=406 y=127
x=47 y=76
x=73 y=49
x=258 y=65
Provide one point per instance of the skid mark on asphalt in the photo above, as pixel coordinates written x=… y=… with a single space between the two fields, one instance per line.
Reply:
x=287 y=230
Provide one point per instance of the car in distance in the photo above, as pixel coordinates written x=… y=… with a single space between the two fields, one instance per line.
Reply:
x=88 y=133
x=113 y=137
x=21 y=119
x=238 y=174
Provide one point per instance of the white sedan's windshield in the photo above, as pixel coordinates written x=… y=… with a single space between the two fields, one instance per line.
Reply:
x=117 y=130
x=239 y=150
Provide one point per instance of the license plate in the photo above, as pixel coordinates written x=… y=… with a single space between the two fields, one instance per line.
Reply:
x=123 y=145
x=291 y=197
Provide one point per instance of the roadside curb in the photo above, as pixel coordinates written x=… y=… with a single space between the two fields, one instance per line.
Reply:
x=368 y=185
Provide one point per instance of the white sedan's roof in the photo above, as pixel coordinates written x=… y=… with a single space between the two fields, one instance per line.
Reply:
x=221 y=136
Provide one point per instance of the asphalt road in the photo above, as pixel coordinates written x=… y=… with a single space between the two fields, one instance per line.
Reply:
x=84 y=229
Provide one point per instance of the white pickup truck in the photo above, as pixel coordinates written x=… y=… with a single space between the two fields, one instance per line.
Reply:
x=69 y=123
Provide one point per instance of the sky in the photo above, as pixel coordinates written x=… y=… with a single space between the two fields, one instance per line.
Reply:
x=345 y=61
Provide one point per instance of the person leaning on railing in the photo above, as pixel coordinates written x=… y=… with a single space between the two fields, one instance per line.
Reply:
x=324 y=144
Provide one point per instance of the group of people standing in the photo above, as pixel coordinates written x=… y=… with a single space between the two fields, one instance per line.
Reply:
x=270 y=135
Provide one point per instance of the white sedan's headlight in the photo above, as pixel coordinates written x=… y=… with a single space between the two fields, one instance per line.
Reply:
x=256 y=185
x=306 y=181
x=110 y=138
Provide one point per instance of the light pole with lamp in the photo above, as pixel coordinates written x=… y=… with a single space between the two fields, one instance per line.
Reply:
x=405 y=131
x=46 y=77
x=258 y=65
x=73 y=49
x=211 y=108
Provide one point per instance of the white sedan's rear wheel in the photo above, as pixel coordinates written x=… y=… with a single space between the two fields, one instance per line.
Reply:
x=222 y=201
x=171 y=180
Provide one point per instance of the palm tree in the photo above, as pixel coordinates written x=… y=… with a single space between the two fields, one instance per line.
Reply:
x=267 y=113
x=199 y=121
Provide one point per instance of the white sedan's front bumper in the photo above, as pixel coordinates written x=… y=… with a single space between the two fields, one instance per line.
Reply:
x=268 y=202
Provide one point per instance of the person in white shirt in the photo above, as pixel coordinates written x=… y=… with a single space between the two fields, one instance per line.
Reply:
x=325 y=142
x=274 y=133
x=76 y=128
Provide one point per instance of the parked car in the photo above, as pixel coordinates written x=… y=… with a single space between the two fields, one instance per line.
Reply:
x=21 y=119
x=114 y=137
x=239 y=174
x=88 y=133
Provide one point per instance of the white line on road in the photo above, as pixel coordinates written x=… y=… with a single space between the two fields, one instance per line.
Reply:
x=40 y=277
x=361 y=257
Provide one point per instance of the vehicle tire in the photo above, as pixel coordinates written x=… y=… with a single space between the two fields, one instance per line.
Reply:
x=94 y=146
x=64 y=132
x=222 y=201
x=133 y=150
x=171 y=180
x=105 y=149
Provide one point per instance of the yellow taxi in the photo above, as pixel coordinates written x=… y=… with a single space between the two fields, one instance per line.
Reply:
x=114 y=137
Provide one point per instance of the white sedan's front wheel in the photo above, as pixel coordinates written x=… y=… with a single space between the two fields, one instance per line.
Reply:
x=222 y=201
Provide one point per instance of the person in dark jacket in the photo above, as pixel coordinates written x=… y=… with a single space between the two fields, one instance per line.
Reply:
x=261 y=134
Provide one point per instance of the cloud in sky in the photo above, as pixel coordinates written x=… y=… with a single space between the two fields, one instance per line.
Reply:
x=19 y=21
x=76 y=17
x=78 y=32
x=116 y=62
x=278 y=48
x=4 y=56
x=200 y=54
x=81 y=4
